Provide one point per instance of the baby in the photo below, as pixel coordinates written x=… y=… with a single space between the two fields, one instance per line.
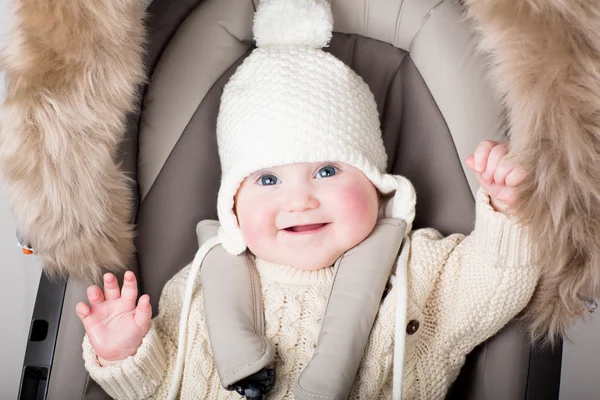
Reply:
x=303 y=182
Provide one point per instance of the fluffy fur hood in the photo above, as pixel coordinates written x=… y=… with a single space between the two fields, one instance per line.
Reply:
x=545 y=63
x=72 y=73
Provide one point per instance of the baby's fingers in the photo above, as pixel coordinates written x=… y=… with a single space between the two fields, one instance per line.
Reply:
x=515 y=177
x=505 y=166
x=130 y=291
x=143 y=313
x=471 y=162
x=495 y=156
x=111 y=287
x=82 y=310
x=481 y=155
x=95 y=295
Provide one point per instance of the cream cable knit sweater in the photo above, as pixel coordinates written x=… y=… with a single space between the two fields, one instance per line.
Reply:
x=461 y=290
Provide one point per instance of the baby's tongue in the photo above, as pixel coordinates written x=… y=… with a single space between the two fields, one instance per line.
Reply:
x=304 y=228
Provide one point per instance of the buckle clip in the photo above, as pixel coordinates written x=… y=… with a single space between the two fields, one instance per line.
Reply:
x=256 y=385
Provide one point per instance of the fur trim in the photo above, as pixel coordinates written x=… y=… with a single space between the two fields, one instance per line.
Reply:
x=72 y=72
x=545 y=57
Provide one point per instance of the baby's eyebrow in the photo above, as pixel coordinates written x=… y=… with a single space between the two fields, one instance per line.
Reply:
x=261 y=172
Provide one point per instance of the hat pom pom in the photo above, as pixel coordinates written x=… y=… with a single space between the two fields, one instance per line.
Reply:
x=293 y=23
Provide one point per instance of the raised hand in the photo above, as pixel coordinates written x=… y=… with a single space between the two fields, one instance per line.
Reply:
x=498 y=174
x=114 y=324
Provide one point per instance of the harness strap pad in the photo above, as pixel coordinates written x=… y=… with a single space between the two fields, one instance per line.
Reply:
x=360 y=278
x=234 y=312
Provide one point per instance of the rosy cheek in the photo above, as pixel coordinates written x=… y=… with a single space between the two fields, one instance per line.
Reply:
x=253 y=234
x=358 y=203
x=256 y=221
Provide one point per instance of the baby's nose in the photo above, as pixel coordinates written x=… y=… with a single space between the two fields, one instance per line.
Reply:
x=301 y=200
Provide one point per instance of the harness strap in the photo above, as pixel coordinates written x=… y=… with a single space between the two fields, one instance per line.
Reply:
x=360 y=278
x=234 y=313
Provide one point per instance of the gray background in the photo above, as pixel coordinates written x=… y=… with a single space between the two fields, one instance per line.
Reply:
x=581 y=359
x=20 y=276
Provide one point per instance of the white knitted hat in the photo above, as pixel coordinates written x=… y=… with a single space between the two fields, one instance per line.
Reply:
x=290 y=102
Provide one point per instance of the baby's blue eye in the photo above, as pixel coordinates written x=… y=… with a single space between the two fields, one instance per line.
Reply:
x=268 y=180
x=327 y=172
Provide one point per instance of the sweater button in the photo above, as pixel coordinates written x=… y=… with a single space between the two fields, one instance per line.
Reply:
x=412 y=327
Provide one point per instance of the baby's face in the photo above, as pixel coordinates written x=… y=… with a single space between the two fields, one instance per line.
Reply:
x=306 y=215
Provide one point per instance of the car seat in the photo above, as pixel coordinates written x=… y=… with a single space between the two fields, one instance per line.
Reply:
x=418 y=57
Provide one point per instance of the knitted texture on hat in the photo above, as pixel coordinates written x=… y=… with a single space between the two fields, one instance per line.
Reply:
x=290 y=102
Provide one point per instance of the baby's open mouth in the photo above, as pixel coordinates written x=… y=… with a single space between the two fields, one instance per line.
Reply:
x=305 y=228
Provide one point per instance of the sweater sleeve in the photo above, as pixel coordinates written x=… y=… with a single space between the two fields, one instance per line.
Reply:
x=136 y=377
x=148 y=373
x=483 y=280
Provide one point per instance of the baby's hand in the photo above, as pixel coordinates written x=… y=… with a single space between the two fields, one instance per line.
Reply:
x=498 y=174
x=114 y=325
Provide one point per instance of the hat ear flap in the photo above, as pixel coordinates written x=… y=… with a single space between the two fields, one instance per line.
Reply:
x=230 y=233
x=232 y=240
x=400 y=200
